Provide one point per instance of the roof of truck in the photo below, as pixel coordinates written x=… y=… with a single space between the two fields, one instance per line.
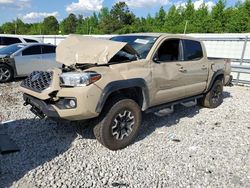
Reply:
x=160 y=34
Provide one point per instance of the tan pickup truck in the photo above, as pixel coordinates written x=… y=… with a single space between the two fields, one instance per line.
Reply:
x=113 y=81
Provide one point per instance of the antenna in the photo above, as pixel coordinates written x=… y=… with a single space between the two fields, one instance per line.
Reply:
x=185 y=29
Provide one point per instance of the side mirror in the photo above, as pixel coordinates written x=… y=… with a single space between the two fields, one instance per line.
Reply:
x=156 y=60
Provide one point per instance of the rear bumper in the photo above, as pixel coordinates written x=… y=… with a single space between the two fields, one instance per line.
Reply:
x=229 y=80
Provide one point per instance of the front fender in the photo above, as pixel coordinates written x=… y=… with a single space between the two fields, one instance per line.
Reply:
x=124 y=84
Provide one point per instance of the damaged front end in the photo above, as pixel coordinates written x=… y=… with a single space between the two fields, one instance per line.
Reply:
x=7 y=60
x=72 y=92
x=40 y=90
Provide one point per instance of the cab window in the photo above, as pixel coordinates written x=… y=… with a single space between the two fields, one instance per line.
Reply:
x=169 y=51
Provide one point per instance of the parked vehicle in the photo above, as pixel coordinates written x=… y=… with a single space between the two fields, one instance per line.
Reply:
x=18 y=60
x=6 y=40
x=115 y=81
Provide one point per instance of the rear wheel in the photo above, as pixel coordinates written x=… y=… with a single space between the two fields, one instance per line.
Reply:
x=118 y=124
x=215 y=96
x=6 y=73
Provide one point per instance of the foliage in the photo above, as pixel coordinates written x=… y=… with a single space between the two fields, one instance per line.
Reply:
x=120 y=19
x=69 y=24
x=50 y=25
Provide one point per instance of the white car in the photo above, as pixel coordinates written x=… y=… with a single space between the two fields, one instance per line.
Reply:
x=6 y=40
x=18 y=60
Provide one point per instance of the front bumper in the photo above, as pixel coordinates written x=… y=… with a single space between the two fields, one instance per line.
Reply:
x=40 y=108
x=86 y=99
x=49 y=101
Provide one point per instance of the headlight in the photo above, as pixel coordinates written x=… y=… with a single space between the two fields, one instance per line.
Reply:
x=78 y=79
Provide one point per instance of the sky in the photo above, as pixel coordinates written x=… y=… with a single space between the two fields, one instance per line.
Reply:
x=31 y=11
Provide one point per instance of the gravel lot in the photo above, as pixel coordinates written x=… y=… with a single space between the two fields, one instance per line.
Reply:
x=193 y=147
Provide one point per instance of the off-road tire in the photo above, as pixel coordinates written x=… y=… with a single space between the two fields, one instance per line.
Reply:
x=214 y=97
x=9 y=72
x=104 y=127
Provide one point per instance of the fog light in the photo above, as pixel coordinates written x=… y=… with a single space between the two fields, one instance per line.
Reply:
x=72 y=103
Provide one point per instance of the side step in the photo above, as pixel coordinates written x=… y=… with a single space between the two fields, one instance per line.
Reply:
x=168 y=108
x=189 y=103
x=165 y=111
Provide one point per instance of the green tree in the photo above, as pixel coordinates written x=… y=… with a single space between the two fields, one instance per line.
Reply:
x=174 y=20
x=188 y=13
x=121 y=20
x=246 y=9
x=121 y=16
x=105 y=24
x=80 y=28
x=8 y=28
x=160 y=19
x=93 y=24
x=35 y=29
x=21 y=28
x=218 y=16
x=202 y=20
x=69 y=24
x=50 y=26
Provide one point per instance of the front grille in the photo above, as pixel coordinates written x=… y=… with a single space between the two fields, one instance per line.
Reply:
x=38 y=81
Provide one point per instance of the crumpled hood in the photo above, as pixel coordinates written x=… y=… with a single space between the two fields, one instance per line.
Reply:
x=81 y=49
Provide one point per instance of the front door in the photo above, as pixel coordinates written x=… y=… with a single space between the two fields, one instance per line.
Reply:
x=168 y=72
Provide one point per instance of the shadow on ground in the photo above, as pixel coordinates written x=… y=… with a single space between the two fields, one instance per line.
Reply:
x=41 y=141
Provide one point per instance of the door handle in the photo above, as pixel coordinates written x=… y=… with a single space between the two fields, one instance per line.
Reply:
x=182 y=70
x=204 y=68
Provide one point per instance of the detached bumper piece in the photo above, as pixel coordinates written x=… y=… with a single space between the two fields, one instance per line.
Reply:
x=39 y=107
x=7 y=145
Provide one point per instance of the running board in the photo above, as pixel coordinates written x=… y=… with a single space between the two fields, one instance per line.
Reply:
x=165 y=111
x=168 y=108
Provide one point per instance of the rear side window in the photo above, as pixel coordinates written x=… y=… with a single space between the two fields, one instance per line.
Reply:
x=192 y=50
x=30 y=41
x=9 y=40
x=32 y=50
x=48 y=49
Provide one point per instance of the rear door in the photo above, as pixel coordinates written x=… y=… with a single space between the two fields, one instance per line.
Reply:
x=29 y=60
x=48 y=57
x=195 y=65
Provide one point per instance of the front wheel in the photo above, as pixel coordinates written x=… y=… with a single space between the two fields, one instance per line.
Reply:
x=215 y=96
x=6 y=73
x=119 y=124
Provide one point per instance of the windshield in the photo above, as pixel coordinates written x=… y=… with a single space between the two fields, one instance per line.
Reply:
x=142 y=44
x=8 y=50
